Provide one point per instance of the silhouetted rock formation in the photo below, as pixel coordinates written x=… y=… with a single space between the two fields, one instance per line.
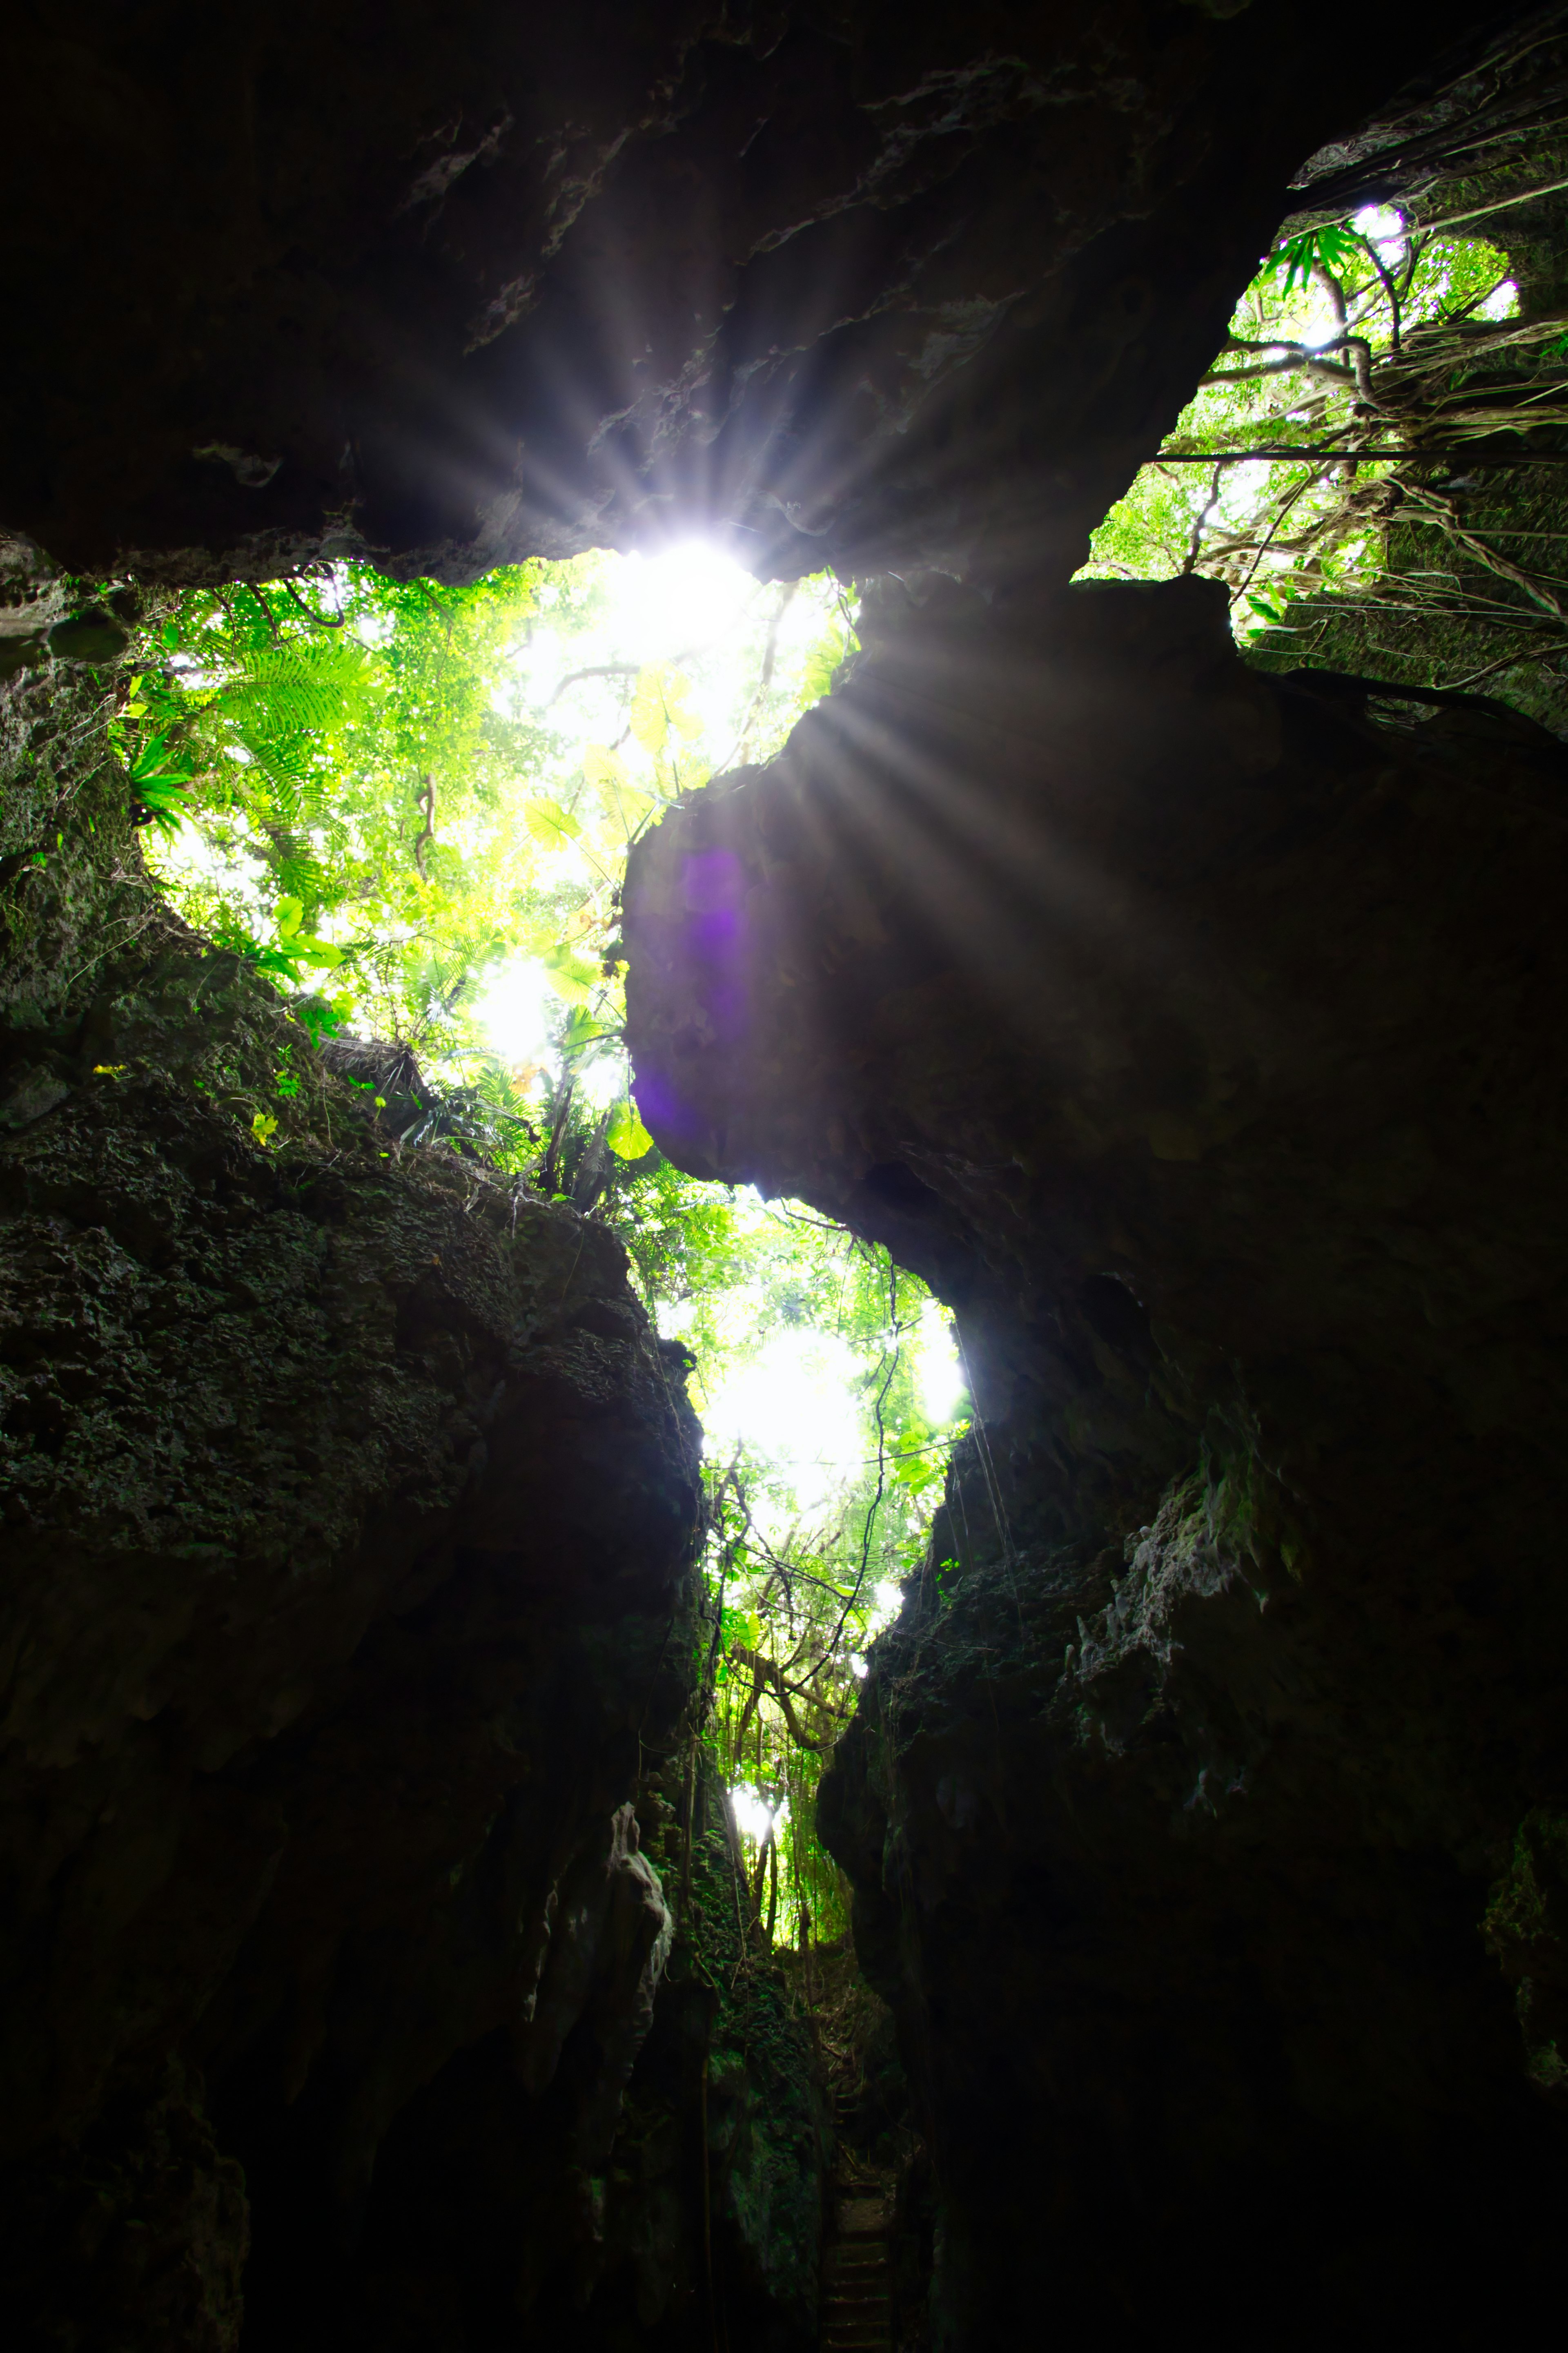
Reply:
x=350 y=1507
x=1199 y=1035
x=856 y=284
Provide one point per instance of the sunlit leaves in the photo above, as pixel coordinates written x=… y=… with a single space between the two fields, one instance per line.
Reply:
x=549 y=824
x=1292 y=373
x=627 y=1136
x=623 y=803
x=826 y=657
x=569 y=974
x=1327 y=248
x=660 y=709
x=303 y=688
x=580 y=1030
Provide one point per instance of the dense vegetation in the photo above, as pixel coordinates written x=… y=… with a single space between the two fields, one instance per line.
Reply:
x=411 y=805
x=1369 y=467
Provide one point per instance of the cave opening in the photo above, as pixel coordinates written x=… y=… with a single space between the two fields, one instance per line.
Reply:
x=780 y=1381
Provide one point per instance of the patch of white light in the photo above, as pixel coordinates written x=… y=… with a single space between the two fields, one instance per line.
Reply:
x=602 y=1081
x=1240 y=487
x=692 y=605
x=684 y=599
x=888 y=1601
x=754 y=1816
x=940 y=1373
x=510 y=1010
x=653 y=608
x=1381 y=225
x=1503 y=303
x=191 y=854
x=794 y=1403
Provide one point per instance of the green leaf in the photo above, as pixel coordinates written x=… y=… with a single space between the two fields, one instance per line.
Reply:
x=161 y=792
x=580 y=1030
x=649 y=719
x=1331 y=248
x=549 y=824
x=290 y=914
x=148 y=767
x=1337 y=249
x=627 y=1136
x=571 y=976
x=601 y=766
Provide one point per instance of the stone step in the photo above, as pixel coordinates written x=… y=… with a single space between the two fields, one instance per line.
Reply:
x=856 y=2301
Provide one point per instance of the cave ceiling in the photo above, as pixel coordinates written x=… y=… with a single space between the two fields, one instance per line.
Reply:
x=847 y=284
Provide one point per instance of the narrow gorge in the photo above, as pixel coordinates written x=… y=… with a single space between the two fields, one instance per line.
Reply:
x=384 y=1969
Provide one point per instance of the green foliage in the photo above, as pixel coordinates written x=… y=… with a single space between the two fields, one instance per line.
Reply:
x=1320 y=249
x=1348 y=337
x=803 y=1567
x=386 y=794
x=627 y=1136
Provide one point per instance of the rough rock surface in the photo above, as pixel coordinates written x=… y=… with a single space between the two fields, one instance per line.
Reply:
x=1199 y=1035
x=851 y=282
x=349 y=1513
x=497 y=2205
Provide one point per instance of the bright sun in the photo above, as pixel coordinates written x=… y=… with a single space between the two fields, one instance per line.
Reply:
x=694 y=604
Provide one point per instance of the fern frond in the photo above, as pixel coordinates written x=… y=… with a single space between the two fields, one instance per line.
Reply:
x=281 y=689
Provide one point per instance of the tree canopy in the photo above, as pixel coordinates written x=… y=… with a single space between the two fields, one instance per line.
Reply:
x=1370 y=369
x=411 y=807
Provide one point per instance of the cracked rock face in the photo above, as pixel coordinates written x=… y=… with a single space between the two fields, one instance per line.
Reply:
x=849 y=284
x=1198 y=1035
x=349 y=1509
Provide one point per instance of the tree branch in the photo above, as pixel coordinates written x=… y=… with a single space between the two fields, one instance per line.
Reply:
x=1195 y=538
x=594 y=670
x=340 y=622
x=425 y=800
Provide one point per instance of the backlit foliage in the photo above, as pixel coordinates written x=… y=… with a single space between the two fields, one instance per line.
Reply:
x=390 y=795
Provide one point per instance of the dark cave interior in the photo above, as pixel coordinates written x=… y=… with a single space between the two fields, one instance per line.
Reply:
x=373 y=1972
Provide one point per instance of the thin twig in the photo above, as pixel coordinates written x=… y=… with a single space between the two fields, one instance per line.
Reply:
x=1511 y=661
x=594 y=670
x=769 y=653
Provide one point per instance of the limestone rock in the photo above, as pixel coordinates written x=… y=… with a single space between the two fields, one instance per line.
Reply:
x=349 y=1513
x=853 y=284
x=1199 y=1035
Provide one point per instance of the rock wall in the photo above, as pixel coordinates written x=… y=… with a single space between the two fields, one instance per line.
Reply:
x=350 y=1510
x=1198 y=1034
x=845 y=282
